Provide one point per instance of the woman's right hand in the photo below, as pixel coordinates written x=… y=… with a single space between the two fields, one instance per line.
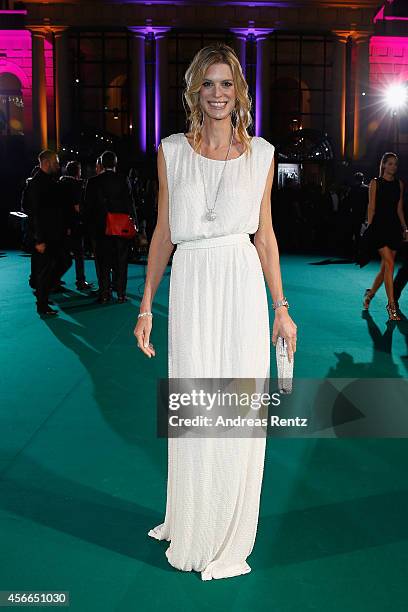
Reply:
x=142 y=332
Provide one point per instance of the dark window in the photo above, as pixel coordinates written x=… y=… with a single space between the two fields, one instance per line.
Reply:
x=100 y=69
x=301 y=81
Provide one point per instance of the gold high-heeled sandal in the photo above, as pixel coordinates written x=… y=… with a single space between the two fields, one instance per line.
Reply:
x=368 y=296
x=392 y=312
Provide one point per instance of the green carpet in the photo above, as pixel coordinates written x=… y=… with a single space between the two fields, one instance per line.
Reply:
x=82 y=473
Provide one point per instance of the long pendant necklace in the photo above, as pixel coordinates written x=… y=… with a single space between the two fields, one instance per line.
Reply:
x=210 y=214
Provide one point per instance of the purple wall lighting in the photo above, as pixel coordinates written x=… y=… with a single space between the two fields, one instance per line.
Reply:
x=259 y=35
x=142 y=101
x=157 y=96
x=261 y=3
x=159 y=33
x=139 y=117
x=142 y=32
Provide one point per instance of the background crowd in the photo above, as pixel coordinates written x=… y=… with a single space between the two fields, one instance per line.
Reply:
x=66 y=221
x=66 y=216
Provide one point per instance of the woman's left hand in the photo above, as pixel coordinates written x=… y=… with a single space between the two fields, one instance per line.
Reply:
x=286 y=328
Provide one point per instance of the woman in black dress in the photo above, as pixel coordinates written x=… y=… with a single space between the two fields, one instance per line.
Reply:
x=386 y=229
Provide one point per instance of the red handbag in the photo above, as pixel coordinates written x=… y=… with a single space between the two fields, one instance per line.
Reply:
x=120 y=224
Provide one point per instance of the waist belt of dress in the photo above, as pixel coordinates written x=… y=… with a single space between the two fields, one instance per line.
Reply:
x=215 y=241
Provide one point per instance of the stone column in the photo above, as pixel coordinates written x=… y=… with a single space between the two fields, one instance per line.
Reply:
x=63 y=107
x=361 y=83
x=240 y=45
x=263 y=84
x=40 y=137
x=138 y=88
x=161 y=84
x=253 y=45
x=251 y=73
x=339 y=94
x=150 y=71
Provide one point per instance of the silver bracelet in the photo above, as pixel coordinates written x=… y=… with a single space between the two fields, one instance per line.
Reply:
x=283 y=302
x=145 y=314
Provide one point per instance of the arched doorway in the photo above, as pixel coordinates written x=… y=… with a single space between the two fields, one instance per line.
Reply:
x=11 y=106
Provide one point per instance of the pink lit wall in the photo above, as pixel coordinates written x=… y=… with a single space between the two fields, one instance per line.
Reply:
x=15 y=58
x=49 y=78
x=388 y=60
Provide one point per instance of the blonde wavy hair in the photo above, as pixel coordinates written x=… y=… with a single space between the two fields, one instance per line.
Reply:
x=219 y=53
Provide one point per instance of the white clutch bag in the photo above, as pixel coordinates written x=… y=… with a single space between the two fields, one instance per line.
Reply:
x=284 y=366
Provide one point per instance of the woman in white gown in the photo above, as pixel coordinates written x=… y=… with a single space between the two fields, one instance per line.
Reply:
x=214 y=190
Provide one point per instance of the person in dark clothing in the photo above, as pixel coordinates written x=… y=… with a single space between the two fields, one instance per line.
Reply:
x=72 y=187
x=45 y=227
x=98 y=165
x=25 y=208
x=357 y=204
x=135 y=184
x=89 y=246
x=109 y=192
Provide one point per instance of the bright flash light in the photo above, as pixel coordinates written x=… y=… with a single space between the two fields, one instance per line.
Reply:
x=396 y=96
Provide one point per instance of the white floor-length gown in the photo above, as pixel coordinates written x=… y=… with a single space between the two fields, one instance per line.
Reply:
x=218 y=327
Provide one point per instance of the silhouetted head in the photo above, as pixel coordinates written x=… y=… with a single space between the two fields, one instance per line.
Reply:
x=49 y=161
x=358 y=178
x=109 y=160
x=73 y=168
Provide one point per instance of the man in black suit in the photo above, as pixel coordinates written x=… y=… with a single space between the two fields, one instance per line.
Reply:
x=106 y=192
x=45 y=227
x=72 y=187
x=25 y=208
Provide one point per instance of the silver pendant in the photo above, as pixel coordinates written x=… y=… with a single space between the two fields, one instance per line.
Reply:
x=210 y=215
